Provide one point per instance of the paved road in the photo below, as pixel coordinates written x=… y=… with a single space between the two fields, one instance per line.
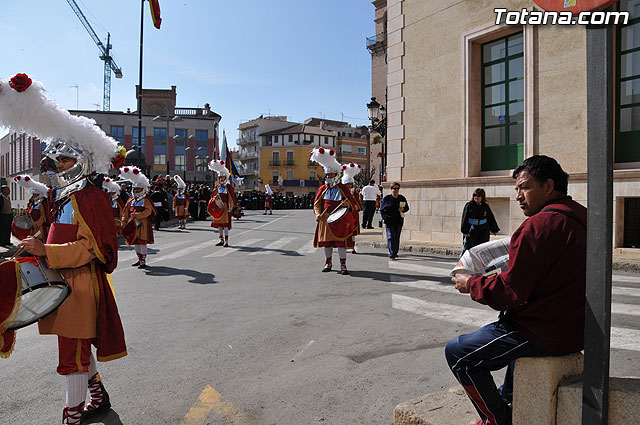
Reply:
x=255 y=334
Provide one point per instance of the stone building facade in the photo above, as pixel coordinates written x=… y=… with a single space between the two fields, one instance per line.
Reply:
x=468 y=100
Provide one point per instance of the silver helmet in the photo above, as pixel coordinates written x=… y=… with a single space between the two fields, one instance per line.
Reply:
x=82 y=168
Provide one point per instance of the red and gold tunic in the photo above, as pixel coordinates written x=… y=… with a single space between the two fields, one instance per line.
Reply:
x=228 y=197
x=181 y=206
x=138 y=232
x=327 y=200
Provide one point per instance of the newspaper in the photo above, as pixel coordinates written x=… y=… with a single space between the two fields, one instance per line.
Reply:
x=488 y=258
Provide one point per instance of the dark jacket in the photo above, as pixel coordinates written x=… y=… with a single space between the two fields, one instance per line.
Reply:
x=477 y=221
x=389 y=210
x=543 y=291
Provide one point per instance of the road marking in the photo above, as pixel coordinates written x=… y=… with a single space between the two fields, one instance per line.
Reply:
x=262 y=225
x=307 y=248
x=210 y=400
x=130 y=255
x=182 y=252
x=225 y=251
x=440 y=272
x=406 y=266
x=622 y=338
x=274 y=245
x=430 y=285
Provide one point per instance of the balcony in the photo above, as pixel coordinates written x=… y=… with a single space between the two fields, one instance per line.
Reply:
x=274 y=163
x=244 y=141
x=377 y=43
x=247 y=155
x=288 y=163
x=313 y=164
x=247 y=171
x=301 y=183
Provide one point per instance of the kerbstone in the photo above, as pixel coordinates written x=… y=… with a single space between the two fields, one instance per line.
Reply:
x=535 y=386
x=624 y=399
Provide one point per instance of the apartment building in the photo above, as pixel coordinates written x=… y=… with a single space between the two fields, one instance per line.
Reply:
x=284 y=158
x=249 y=146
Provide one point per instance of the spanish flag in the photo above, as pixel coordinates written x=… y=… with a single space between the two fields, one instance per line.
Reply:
x=155 y=13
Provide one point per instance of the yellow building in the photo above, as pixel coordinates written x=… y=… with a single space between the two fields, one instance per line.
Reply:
x=284 y=159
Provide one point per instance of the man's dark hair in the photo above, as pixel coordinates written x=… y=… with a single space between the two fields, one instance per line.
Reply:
x=372 y=181
x=542 y=168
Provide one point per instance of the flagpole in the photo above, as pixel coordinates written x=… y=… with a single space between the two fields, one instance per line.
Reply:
x=140 y=90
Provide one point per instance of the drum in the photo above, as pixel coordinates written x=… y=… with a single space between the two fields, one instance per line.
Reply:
x=43 y=291
x=341 y=223
x=21 y=226
x=216 y=207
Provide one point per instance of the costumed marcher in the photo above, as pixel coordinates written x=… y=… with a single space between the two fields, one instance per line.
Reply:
x=138 y=214
x=223 y=198
x=330 y=197
x=236 y=211
x=348 y=173
x=181 y=203
x=268 y=200
x=81 y=243
x=37 y=209
x=117 y=205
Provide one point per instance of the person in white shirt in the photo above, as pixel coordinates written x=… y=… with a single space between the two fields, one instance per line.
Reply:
x=369 y=195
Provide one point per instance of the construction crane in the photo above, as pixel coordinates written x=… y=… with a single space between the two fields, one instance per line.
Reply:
x=109 y=63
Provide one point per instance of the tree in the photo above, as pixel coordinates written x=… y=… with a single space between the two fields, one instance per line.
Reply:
x=363 y=178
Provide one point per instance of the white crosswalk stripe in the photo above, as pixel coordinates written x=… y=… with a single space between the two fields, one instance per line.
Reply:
x=307 y=248
x=226 y=251
x=130 y=255
x=181 y=252
x=269 y=249
x=621 y=338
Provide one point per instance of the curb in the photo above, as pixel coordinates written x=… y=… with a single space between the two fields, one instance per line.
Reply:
x=618 y=264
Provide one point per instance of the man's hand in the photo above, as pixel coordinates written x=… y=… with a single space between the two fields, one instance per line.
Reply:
x=460 y=279
x=344 y=203
x=34 y=246
x=321 y=217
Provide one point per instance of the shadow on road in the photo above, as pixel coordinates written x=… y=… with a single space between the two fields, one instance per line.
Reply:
x=385 y=277
x=196 y=276
x=109 y=417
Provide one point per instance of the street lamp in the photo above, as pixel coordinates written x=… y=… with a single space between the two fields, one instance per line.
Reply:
x=378 y=118
x=168 y=119
x=186 y=149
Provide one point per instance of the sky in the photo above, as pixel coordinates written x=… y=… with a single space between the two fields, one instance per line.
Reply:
x=246 y=58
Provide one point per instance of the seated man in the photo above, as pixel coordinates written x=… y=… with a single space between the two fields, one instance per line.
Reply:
x=541 y=298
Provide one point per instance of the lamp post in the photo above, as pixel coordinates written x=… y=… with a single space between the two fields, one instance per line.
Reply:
x=168 y=119
x=378 y=118
x=186 y=149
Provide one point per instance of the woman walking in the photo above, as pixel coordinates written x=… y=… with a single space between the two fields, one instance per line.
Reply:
x=477 y=221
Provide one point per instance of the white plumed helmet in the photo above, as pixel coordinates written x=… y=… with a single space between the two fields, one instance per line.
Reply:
x=110 y=186
x=218 y=166
x=137 y=179
x=349 y=171
x=34 y=187
x=181 y=184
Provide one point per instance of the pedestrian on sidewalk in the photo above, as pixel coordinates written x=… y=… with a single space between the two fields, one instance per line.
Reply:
x=392 y=210
x=541 y=297
x=477 y=221
x=370 y=194
x=6 y=216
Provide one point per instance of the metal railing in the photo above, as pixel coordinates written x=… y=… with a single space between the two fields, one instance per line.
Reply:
x=378 y=38
x=274 y=163
x=247 y=155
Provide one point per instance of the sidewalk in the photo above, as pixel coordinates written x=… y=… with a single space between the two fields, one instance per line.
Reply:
x=624 y=259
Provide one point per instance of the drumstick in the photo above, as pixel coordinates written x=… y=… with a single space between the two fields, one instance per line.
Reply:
x=35 y=235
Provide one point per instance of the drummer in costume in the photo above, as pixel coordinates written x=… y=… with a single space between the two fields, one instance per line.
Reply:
x=330 y=197
x=348 y=173
x=223 y=198
x=81 y=242
x=37 y=208
x=181 y=203
x=117 y=204
x=268 y=200
x=138 y=214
